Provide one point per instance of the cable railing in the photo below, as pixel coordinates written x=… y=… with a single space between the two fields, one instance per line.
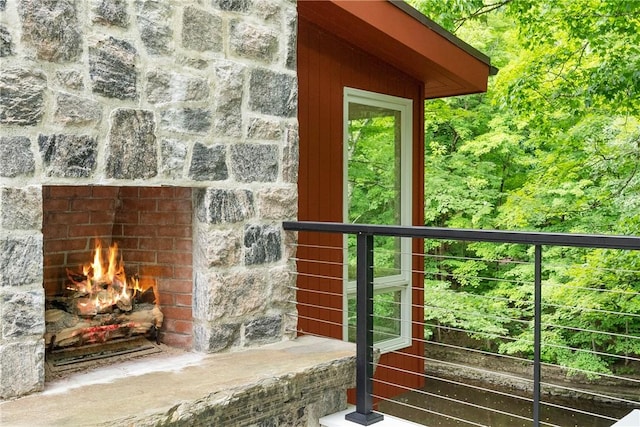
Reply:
x=537 y=337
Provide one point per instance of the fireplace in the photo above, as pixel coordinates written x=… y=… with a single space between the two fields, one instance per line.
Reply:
x=117 y=274
x=218 y=255
x=140 y=235
x=113 y=131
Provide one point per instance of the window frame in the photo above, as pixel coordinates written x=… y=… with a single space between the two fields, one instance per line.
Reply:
x=401 y=282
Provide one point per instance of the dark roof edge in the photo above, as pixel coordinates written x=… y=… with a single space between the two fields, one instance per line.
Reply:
x=416 y=14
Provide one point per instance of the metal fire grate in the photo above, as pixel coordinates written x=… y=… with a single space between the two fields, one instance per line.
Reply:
x=71 y=360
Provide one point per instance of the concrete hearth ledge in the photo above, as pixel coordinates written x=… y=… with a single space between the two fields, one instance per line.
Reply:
x=170 y=390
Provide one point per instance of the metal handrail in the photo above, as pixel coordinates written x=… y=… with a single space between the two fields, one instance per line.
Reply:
x=364 y=414
x=602 y=241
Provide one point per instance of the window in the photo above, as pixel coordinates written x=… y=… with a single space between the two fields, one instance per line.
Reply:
x=377 y=190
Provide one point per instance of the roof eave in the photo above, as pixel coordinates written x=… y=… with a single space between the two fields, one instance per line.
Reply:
x=400 y=35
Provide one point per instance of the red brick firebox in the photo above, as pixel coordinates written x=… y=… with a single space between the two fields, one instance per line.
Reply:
x=153 y=229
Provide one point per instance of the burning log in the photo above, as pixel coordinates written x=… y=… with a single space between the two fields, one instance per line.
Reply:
x=66 y=329
x=125 y=305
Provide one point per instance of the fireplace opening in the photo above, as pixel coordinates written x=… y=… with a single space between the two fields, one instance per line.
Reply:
x=117 y=271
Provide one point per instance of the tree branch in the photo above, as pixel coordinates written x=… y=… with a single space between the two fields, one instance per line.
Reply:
x=480 y=11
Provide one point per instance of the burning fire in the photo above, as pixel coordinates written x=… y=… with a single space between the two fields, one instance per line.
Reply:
x=102 y=286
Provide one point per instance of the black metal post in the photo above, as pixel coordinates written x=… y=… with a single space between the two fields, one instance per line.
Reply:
x=537 y=334
x=364 y=414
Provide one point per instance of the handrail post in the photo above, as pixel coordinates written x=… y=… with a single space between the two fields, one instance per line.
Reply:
x=364 y=414
x=537 y=334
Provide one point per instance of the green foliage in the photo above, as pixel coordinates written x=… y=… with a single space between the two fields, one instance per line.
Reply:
x=580 y=55
x=373 y=186
x=462 y=310
x=451 y=14
x=386 y=316
x=371 y=180
x=554 y=145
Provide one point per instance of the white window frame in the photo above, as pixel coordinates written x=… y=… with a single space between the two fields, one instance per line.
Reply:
x=403 y=281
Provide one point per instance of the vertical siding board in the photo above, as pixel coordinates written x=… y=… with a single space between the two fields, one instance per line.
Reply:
x=328 y=196
x=335 y=92
x=304 y=199
x=418 y=244
x=315 y=151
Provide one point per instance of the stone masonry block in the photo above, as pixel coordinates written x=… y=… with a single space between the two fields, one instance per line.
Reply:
x=201 y=30
x=268 y=10
x=154 y=24
x=16 y=157
x=173 y=157
x=273 y=93
x=227 y=100
x=21 y=208
x=212 y=338
x=164 y=87
x=282 y=281
x=217 y=206
x=290 y=324
x=209 y=163
x=52 y=28
x=234 y=5
x=290 y=244
x=279 y=203
x=71 y=79
x=291 y=155
x=260 y=128
x=76 y=110
x=218 y=248
x=69 y=156
x=251 y=41
x=262 y=243
x=20 y=260
x=21 y=313
x=6 y=45
x=292 y=38
x=254 y=162
x=230 y=296
x=110 y=12
x=132 y=147
x=263 y=330
x=22 y=96
x=112 y=68
x=204 y=284
x=21 y=368
x=187 y=120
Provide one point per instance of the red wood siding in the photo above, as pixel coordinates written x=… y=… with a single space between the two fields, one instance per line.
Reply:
x=326 y=64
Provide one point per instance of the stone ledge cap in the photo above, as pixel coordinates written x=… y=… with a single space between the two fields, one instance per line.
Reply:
x=205 y=380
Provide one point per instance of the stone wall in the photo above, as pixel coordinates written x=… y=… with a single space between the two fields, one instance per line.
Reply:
x=190 y=93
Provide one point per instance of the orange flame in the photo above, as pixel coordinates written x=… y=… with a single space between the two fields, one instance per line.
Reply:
x=97 y=262
x=104 y=285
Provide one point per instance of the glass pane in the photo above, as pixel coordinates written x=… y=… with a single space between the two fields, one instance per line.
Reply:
x=374 y=181
x=386 y=316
